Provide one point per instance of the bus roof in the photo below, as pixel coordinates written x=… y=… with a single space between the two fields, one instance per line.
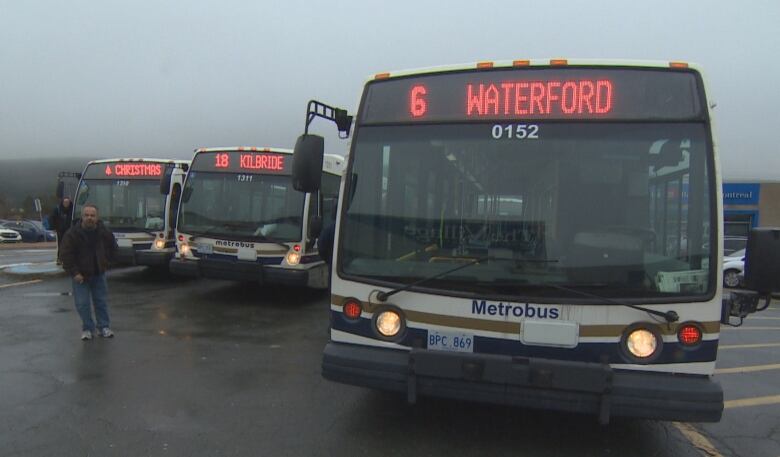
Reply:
x=246 y=148
x=140 y=159
x=556 y=63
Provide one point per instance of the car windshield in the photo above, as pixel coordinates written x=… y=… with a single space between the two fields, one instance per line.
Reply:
x=241 y=206
x=124 y=205
x=622 y=208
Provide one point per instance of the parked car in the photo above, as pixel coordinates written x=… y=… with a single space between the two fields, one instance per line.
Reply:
x=9 y=236
x=734 y=269
x=29 y=231
x=51 y=235
x=732 y=244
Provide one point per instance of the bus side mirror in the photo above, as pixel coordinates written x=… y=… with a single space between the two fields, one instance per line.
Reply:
x=60 y=189
x=165 y=181
x=762 y=260
x=307 y=163
x=762 y=267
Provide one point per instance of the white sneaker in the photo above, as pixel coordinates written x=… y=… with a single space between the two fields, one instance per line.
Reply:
x=106 y=332
x=86 y=335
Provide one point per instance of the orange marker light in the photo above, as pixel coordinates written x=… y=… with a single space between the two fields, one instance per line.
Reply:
x=559 y=62
x=521 y=63
x=381 y=75
x=678 y=64
x=484 y=64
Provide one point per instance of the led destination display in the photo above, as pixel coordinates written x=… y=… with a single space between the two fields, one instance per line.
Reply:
x=529 y=93
x=125 y=170
x=244 y=162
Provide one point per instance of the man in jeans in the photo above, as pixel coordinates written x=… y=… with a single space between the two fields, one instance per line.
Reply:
x=87 y=249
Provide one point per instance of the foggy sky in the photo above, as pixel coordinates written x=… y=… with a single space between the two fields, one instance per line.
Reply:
x=160 y=78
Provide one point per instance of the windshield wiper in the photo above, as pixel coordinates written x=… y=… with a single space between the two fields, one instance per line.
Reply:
x=670 y=316
x=383 y=296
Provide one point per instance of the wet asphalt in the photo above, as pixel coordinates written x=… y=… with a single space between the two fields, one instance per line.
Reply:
x=217 y=368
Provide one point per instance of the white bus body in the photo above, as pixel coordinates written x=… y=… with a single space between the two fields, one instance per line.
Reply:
x=241 y=220
x=541 y=233
x=132 y=205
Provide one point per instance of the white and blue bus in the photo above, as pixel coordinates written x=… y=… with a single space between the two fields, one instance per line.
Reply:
x=137 y=199
x=541 y=233
x=240 y=218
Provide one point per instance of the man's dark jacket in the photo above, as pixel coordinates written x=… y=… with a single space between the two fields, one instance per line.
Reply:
x=61 y=219
x=77 y=257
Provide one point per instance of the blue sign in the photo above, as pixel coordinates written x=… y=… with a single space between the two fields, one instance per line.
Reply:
x=740 y=194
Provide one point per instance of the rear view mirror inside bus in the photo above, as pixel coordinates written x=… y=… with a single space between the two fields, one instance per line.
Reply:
x=307 y=163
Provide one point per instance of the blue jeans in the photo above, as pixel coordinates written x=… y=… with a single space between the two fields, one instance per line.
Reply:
x=96 y=288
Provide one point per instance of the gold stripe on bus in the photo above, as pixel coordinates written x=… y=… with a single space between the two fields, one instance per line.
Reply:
x=223 y=249
x=514 y=327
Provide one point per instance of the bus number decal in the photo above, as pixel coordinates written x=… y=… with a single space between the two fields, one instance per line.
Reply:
x=518 y=132
x=244 y=178
x=122 y=183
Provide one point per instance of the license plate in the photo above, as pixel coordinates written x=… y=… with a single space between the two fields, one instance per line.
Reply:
x=124 y=243
x=450 y=341
x=204 y=248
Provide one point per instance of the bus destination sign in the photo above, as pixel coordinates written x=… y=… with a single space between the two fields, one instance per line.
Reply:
x=244 y=162
x=125 y=170
x=561 y=93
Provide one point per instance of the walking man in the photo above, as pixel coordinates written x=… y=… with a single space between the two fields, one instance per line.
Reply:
x=87 y=249
x=60 y=220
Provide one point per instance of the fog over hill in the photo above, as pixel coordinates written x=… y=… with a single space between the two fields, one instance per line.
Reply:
x=22 y=180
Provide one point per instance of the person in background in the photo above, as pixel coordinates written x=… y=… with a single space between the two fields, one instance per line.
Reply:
x=60 y=221
x=87 y=249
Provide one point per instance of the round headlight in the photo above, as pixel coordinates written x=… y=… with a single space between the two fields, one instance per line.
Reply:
x=293 y=258
x=159 y=244
x=388 y=323
x=641 y=343
x=184 y=249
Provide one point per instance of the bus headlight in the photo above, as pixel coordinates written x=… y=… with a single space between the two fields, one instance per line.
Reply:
x=293 y=258
x=159 y=244
x=388 y=323
x=184 y=249
x=642 y=344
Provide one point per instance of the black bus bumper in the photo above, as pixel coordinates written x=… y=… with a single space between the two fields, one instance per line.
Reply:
x=239 y=271
x=131 y=256
x=532 y=383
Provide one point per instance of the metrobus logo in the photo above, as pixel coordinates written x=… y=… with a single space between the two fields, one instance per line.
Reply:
x=527 y=310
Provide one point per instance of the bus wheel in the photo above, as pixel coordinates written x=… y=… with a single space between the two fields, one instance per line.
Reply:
x=731 y=278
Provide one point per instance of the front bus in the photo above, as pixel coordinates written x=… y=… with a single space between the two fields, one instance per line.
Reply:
x=133 y=204
x=241 y=220
x=536 y=233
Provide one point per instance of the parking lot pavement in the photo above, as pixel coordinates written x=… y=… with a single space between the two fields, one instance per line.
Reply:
x=215 y=368
x=749 y=370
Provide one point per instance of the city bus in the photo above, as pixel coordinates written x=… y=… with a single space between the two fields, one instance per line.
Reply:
x=539 y=233
x=241 y=220
x=137 y=200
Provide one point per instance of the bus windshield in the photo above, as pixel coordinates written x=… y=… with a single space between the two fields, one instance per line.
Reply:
x=241 y=206
x=617 y=209
x=124 y=205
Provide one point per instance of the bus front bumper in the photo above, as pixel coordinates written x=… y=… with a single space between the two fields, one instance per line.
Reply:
x=238 y=271
x=527 y=382
x=148 y=257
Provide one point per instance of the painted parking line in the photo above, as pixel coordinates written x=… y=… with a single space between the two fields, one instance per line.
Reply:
x=748 y=346
x=764 y=318
x=748 y=369
x=755 y=401
x=32 y=281
x=698 y=440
